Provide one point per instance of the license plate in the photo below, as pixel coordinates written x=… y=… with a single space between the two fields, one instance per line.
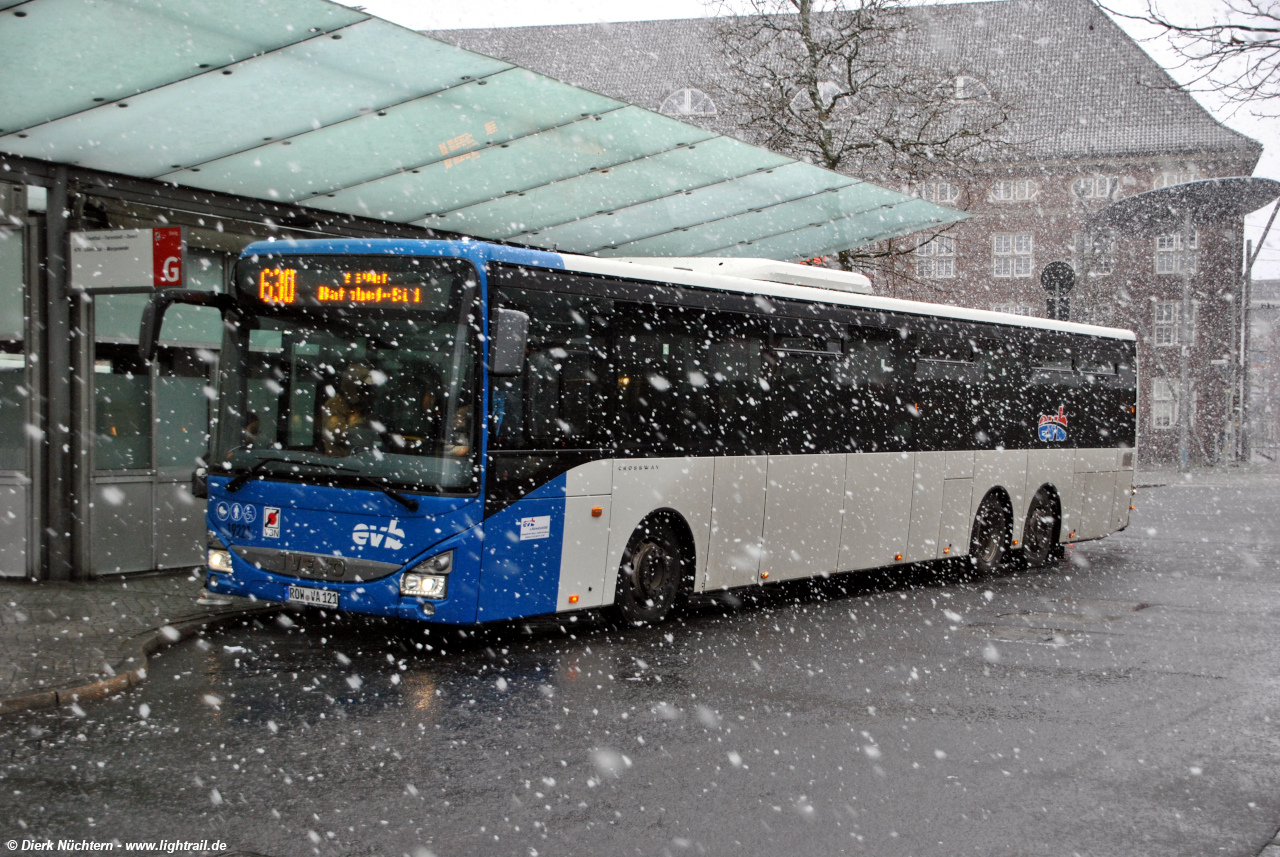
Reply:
x=314 y=597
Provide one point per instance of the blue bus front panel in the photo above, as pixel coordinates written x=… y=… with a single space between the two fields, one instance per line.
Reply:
x=354 y=525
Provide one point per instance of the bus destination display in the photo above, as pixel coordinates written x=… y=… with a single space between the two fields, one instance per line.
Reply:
x=280 y=286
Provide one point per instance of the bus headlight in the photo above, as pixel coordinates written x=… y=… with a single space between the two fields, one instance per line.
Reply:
x=429 y=578
x=220 y=560
x=424 y=585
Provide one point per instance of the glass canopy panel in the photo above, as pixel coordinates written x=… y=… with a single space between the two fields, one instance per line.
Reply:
x=65 y=53
x=713 y=235
x=287 y=92
x=471 y=177
x=576 y=201
x=756 y=191
x=876 y=225
x=481 y=113
x=308 y=101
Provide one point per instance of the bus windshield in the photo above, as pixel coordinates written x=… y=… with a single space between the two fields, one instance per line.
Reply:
x=343 y=392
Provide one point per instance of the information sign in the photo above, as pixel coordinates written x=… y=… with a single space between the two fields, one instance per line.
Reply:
x=111 y=259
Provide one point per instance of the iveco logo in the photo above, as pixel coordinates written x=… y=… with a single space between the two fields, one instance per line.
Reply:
x=389 y=536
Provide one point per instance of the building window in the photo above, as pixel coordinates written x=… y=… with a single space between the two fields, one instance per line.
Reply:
x=1165 y=328
x=1169 y=256
x=1173 y=177
x=1012 y=254
x=936 y=259
x=1014 y=190
x=1102 y=259
x=1012 y=309
x=828 y=92
x=965 y=88
x=688 y=102
x=1095 y=187
x=942 y=193
x=1100 y=314
x=1164 y=408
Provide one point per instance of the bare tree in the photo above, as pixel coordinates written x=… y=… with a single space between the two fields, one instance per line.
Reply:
x=1232 y=47
x=844 y=84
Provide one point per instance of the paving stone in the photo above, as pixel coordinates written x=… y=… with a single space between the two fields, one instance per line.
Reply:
x=64 y=640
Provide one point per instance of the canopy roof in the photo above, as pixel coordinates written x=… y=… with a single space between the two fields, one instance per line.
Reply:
x=1162 y=211
x=317 y=104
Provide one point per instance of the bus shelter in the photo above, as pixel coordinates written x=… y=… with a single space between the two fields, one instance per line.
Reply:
x=134 y=127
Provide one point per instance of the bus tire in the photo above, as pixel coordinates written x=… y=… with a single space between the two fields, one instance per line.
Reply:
x=992 y=532
x=651 y=576
x=1040 y=533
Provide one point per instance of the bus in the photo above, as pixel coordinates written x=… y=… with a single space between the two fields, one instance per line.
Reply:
x=460 y=432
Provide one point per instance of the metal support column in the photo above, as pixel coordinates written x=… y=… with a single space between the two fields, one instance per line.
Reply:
x=59 y=528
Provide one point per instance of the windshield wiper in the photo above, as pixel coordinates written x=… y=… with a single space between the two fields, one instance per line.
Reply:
x=243 y=479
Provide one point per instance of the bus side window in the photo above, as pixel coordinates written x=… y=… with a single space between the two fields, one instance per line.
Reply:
x=560 y=400
x=870 y=376
x=736 y=387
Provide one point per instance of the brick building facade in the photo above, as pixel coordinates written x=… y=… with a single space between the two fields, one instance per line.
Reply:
x=1093 y=119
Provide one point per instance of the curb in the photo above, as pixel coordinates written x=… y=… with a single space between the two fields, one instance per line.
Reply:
x=136 y=649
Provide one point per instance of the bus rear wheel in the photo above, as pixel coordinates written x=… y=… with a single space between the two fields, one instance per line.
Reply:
x=651 y=575
x=1040 y=534
x=992 y=532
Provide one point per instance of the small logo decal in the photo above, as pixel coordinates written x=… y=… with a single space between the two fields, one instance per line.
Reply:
x=538 y=527
x=1053 y=427
x=223 y=510
x=250 y=514
x=237 y=511
x=390 y=536
x=270 y=522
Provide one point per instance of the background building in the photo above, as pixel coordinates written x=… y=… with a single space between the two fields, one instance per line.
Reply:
x=1092 y=119
x=1264 y=368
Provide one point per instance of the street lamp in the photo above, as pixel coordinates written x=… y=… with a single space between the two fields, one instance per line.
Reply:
x=1175 y=210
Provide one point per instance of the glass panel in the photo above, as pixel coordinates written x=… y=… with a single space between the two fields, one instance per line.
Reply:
x=556 y=154
x=207 y=270
x=122 y=408
x=562 y=399
x=191 y=324
x=11 y=277
x=13 y=409
x=182 y=407
x=567 y=209
x=482 y=113
x=661 y=373
x=844 y=214
x=664 y=216
x=290 y=91
x=685 y=211
x=829 y=237
x=116 y=318
x=340 y=393
x=48 y=75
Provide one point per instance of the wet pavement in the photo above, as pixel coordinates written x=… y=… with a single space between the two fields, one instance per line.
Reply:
x=1124 y=702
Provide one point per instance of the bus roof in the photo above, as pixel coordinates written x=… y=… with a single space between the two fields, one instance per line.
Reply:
x=481 y=252
x=653 y=273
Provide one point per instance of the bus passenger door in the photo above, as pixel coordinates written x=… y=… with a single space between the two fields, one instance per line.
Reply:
x=737 y=521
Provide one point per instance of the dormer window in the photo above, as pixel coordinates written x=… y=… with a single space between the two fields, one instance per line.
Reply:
x=828 y=92
x=688 y=102
x=965 y=88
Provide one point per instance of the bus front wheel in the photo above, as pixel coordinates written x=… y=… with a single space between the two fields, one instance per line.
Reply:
x=992 y=531
x=651 y=574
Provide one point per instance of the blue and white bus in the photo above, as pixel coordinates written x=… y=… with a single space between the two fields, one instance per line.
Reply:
x=461 y=432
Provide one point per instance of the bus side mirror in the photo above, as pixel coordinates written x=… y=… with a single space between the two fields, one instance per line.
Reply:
x=153 y=313
x=508 y=337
